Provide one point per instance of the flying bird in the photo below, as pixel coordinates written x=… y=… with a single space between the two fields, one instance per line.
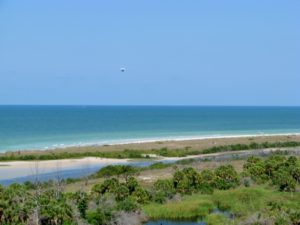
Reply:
x=122 y=69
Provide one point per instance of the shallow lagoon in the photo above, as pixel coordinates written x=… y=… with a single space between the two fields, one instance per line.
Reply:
x=71 y=173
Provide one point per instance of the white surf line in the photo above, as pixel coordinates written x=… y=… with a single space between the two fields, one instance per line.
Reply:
x=158 y=139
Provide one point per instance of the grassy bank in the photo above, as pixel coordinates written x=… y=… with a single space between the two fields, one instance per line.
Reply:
x=138 y=154
x=243 y=202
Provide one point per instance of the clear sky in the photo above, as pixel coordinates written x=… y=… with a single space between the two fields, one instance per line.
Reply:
x=175 y=52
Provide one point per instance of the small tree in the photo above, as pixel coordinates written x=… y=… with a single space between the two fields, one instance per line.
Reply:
x=99 y=217
x=226 y=177
x=181 y=182
x=164 y=186
x=284 y=180
x=132 y=184
x=128 y=205
x=187 y=181
x=82 y=204
x=108 y=185
x=121 y=192
x=141 y=195
x=207 y=183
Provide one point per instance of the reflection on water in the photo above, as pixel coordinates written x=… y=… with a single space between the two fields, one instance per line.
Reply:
x=168 y=222
x=76 y=172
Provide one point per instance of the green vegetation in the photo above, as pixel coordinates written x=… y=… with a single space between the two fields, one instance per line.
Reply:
x=135 y=154
x=253 y=145
x=282 y=172
x=219 y=196
x=139 y=154
x=188 y=208
x=116 y=170
x=245 y=204
x=217 y=219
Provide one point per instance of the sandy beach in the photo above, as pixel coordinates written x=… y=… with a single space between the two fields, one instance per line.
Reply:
x=196 y=143
x=14 y=169
x=9 y=170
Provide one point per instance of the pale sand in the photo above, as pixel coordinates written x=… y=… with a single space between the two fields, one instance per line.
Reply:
x=62 y=163
x=15 y=169
x=10 y=170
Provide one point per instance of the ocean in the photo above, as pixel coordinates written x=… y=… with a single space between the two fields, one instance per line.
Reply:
x=47 y=127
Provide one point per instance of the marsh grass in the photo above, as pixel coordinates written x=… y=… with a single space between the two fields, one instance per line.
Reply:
x=217 y=219
x=241 y=203
x=188 y=208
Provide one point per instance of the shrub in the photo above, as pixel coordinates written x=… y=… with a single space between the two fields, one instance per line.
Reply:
x=116 y=170
x=165 y=187
x=108 y=185
x=284 y=180
x=99 y=217
x=159 y=197
x=254 y=167
x=82 y=204
x=181 y=182
x=128 y=205
x=226 y=177
x=54 y=208
x=207 y=182
x=121 y=192
x=141 y=195
x=187 y=181
x=132 y=184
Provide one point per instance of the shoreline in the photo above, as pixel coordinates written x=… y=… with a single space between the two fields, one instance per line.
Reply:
x=29 y=170
x=149 y=141
x=19 y=169
x=16 y=169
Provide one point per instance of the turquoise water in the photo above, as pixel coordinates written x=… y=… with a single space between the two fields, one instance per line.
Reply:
x=42 y=127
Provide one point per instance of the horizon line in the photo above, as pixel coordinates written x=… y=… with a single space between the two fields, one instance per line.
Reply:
x=150 y=105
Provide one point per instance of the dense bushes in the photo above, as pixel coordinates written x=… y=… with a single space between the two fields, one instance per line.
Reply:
x=129 y=194
x=189 y=180
x=253 y=145
x=207 y=181
x=163 y=189
x=116 y=170
x=226 y=177
x=279 y=170
x=186 y=181
x=20 y=204
x=121 y=191
x=99 y=217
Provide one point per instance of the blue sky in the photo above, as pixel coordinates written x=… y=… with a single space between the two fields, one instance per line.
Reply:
x=175 y=52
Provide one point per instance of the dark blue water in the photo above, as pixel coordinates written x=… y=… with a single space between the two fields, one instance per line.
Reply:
x=42 y=127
